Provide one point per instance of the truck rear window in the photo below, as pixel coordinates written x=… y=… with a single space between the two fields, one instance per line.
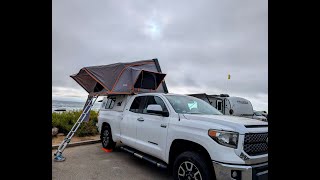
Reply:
x=110 y=103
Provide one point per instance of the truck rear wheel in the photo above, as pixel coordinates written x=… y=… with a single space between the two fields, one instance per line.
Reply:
x=106 y=138
x=191 y=165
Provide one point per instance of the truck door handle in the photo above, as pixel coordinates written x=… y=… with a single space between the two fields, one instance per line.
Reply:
x=140 y=119
x=163 y=125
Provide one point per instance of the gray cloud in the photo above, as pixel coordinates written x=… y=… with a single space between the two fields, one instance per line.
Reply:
x=197 y=43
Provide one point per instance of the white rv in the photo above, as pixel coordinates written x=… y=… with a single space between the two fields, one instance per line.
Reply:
x=235 y=106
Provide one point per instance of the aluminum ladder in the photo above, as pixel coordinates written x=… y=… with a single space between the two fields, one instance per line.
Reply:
x=89 y=103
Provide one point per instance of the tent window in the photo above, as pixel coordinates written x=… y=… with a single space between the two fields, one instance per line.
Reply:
x=98 y=87
x=149 y=80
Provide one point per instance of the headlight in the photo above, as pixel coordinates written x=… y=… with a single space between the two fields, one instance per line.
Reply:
x=225 y=138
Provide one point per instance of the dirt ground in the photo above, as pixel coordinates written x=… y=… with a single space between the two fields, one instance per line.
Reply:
x=91 y=162
x=58 y=139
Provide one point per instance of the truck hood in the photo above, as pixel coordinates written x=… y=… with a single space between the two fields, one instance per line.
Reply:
x=259 y=117
x=226 y=122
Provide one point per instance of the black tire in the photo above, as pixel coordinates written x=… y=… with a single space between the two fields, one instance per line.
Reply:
x=106 y=138
x=191 y=165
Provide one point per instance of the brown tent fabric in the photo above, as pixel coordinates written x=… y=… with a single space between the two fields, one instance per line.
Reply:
x=122 y=78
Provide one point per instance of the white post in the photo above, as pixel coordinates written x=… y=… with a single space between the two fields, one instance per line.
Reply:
x=229 y=77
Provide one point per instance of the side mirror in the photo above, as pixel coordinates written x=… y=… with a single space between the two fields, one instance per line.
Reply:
x=156 y=109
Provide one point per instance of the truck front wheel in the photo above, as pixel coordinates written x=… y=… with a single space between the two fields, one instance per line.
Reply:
x=106 y=138
x=191 y=165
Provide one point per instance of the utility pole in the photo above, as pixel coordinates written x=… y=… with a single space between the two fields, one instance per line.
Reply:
x=229 y=76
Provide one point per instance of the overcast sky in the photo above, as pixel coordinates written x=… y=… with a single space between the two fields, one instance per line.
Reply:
x=198 y=43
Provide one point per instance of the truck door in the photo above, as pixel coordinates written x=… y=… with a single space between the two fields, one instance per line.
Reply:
x=152 y=129
x=128 y=123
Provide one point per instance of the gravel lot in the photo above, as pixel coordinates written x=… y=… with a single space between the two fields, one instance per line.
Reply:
x=91 y=162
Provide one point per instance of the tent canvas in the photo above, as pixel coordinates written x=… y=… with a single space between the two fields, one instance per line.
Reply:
x=122 y=78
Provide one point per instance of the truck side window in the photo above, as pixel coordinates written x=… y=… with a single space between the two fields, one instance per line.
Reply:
x=136 y=104
x=154 y=100
x=103 y=104
x=110 y=103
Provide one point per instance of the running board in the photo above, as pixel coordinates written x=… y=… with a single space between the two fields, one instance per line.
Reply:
x=144 y=157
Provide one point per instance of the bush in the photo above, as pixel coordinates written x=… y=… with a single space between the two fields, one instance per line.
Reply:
x=65 y=121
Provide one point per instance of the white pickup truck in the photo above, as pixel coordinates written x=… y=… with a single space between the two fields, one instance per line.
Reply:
x=186 y=135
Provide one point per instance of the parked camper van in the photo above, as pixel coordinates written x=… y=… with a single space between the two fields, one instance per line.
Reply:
x=235 y=106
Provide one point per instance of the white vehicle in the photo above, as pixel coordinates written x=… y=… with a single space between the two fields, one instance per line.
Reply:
x=182 y=133
x=186 y=135
x=258 y=115
x=235 y=106
x=264 y=113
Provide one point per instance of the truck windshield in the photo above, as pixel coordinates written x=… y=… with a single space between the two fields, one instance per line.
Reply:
x=191 y=105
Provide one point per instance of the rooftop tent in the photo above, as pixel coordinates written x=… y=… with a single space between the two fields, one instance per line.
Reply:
x=122 y=78
x=119 y=78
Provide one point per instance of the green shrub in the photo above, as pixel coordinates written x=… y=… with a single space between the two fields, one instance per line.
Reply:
x=65 y=121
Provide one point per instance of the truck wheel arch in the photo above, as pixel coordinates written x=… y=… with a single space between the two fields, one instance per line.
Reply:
x=179 y=146
x=105 y=124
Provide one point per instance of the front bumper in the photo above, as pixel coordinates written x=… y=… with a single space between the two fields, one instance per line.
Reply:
x=244 y=172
